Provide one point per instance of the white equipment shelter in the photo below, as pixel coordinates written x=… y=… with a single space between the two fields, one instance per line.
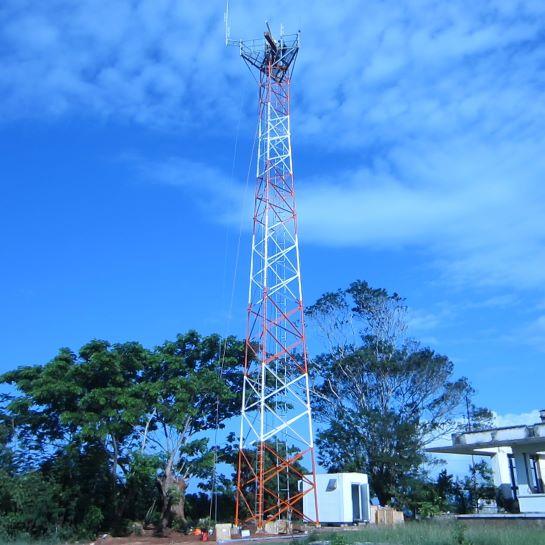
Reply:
x=343 y=498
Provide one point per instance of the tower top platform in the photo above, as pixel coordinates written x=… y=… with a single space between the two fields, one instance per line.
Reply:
x=274 y=57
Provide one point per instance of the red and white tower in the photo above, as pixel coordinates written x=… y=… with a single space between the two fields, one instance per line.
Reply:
x=276 y=437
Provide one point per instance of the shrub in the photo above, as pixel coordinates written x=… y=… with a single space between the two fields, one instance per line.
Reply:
x=35 y=507
x=92 y=520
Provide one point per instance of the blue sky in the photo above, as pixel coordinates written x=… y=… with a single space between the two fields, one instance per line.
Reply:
x=126 y=131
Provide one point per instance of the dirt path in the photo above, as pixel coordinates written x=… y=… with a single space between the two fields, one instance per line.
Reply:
x=149 y=539
x=176 y=538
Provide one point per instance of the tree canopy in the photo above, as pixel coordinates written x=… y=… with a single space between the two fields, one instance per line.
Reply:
x=115 y=418
x=115 y=432
x=380 y=396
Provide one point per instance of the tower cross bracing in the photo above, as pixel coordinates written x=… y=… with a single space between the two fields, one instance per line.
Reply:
x=276 y=466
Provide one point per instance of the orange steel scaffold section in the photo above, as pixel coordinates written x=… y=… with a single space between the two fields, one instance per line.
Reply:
x=276 y=437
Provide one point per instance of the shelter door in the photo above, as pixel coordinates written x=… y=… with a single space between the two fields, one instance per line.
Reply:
x=356 y=503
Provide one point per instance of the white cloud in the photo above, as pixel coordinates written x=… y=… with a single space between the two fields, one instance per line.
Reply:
x=478 y=217
x=516 y=419
x=145 y=62
x=436 y=107
x=422 y=321
x=211 y=187
x=359 y=70
x=496 y=302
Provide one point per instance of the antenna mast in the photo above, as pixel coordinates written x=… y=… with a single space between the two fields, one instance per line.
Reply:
x=276 y=466
x=227 y=26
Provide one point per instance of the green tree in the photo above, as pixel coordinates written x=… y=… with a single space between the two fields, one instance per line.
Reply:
x=119 y=428
x=76 y=419
x=419 y=495
x=93 y=397
x=445 y=489
x=35 y=507
x=191 y=385
x=140 y=494
x=8 y=462
x=477 y=485
x=380 y=395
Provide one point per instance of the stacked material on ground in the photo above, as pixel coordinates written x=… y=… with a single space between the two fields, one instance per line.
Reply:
x=386 y=515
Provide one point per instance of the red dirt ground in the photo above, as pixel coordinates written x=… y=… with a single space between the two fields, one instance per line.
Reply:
x=176 y=538
x=149 y=539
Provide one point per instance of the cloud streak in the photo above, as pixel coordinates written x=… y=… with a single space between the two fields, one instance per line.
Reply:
x=475 y=209
x=434 y=109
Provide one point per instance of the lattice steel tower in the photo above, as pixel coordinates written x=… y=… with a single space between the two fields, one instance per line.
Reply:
x=276 y=438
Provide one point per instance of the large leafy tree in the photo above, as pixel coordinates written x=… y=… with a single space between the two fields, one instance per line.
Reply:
x=112 y=422
x=191 y=385
x=381 y=397
x=76 y=420
x=88 y=398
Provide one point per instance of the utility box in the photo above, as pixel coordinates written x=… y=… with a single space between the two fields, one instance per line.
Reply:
x=223 y=532
x=343 y=498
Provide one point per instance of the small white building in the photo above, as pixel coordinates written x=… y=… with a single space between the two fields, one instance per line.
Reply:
x=343 y=498
x=517 y=456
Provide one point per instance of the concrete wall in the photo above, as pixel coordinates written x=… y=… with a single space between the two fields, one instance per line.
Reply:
x=500 y=467
x=534 y=503
x=529 y=502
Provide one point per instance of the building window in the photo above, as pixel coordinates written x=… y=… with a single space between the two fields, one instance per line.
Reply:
x=331 y=485
x=513 y=475
x=534 y=475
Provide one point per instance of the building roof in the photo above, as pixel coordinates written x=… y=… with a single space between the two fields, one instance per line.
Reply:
x=486 y=442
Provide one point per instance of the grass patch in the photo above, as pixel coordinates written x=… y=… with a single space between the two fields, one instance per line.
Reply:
x=438 y=533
